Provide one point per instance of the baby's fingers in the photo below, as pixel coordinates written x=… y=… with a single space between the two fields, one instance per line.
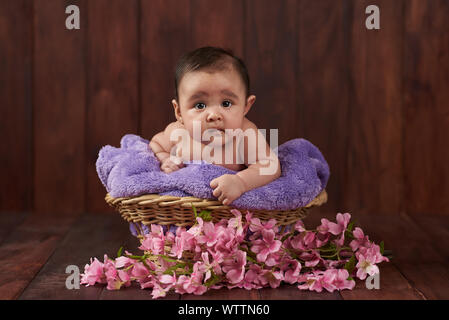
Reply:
x=214 y=183
x=221 y=198
x=217 y=192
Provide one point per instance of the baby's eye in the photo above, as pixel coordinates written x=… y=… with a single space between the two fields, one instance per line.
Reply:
x=226 y=104
x=200 y=106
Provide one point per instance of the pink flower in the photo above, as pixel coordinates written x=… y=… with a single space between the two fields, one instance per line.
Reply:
x=254 y=277
x=366 y=264
x=311 y=281
x=112 y=276
x=207 y=267
x=274 y=278
x=169 y=280
x=183 y=241
x=372 y=250
x=210 y=234
x=157 y=230
x=335 y=228
x=292 y=273
x=196 y=229
x=139 y=271
x=311 y=259
x=273 y=259
x=123 y=262
x=265 y=245
x=93 y=273
x=299 y=226
x=257 y=227
x=321 y=239
x=226 y=242
x=340 y=241
x=158 y=291
x=303 y=241
x=154 y=241
x=236 y=223
x=360 y=239
x=192 y=284
x=341 y=281
x=235 y=267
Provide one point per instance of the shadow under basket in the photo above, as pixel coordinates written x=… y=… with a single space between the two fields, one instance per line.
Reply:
x=169 y=210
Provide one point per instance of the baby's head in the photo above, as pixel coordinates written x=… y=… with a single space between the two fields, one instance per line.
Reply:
x=212 y=87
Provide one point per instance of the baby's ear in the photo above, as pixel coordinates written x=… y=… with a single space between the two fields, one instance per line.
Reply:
x=177 y=110
x=249 y=103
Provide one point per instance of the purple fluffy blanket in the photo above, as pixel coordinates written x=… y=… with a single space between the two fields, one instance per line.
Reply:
x=133 y=170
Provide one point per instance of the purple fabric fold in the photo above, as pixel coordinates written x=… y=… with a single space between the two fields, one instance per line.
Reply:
x=133 y=170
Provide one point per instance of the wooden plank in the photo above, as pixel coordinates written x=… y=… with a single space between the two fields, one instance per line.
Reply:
x=271 y=58
x=407 y=241
x=225 y=294
x=59 y=109
x=392 y=286
x=112 y=84
x=409 y=245
x=91 y=236
x=322 y=87
x=291 y=292
x=426 y=66
x=167 y=22
x=9 y=221
x=26 y=250
x=374 y=165
x=16 y=165
x=415 y=253
x=436 y=228
x=430 y=279
x=218 y=23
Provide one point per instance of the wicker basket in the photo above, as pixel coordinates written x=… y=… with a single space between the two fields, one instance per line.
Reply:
x=170 y=210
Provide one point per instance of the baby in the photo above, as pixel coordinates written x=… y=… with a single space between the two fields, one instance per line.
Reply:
x=211 y=101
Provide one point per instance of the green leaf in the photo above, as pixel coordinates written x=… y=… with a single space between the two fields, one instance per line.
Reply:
x=250 y=259
x=212 y=280
x=119 y=252
x=135 y=257
x=351 y=225
x=382 y=245
x=350 y=265
x=168 y=259
x=205 y=215
x=194 y=211
x=173 y=268
x=350 y=278
x=286 y=236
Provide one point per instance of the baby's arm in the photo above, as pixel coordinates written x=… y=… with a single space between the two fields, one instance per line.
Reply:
x=161 y=146
x=265 y=169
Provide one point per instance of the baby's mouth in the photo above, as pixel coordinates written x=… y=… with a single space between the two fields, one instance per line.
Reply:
x=218 y=129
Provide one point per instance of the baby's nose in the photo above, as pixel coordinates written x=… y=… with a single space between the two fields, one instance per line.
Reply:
x=214 y=116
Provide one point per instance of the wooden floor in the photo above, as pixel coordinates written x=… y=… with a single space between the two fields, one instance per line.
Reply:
x=35 y=251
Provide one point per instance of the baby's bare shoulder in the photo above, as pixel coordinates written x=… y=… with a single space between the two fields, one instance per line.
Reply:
x=174 y=125
x=247 y=124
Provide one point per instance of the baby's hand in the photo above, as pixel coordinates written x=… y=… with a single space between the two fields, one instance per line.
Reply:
x=227 y=188
x=169 y=166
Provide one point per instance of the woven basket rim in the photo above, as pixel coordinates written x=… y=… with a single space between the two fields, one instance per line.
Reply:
x=205 y=204
x=170 y=210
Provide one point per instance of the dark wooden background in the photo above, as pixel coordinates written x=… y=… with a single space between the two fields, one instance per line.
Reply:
x=375 y=102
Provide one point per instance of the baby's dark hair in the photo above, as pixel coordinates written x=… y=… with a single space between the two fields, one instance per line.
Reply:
x=213 y=58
